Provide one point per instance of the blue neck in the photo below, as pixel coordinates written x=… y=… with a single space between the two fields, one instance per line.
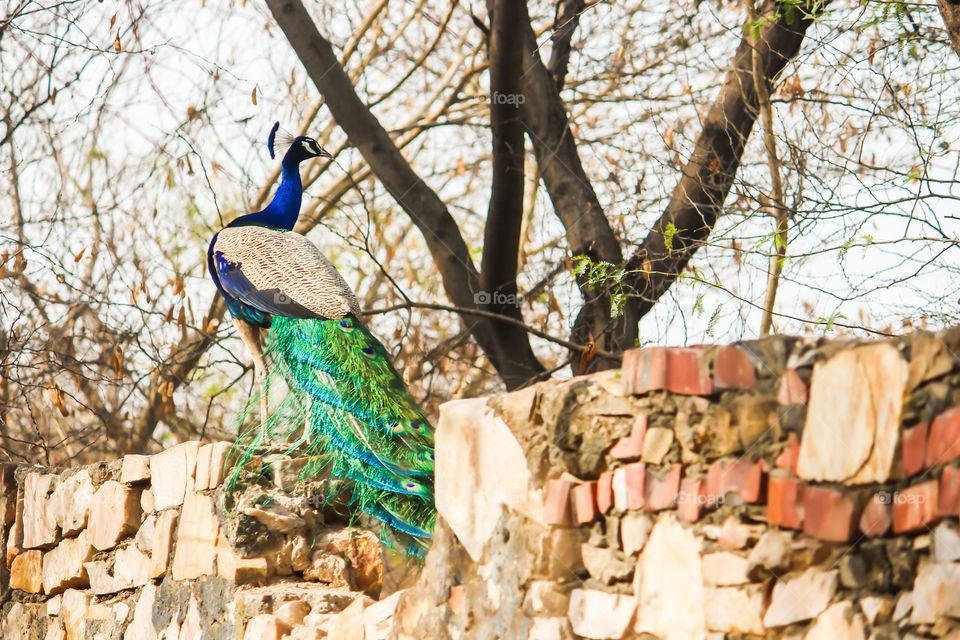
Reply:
x=283 y=210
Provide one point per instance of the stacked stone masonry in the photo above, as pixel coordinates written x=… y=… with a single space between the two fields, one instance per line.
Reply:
x=781 y=488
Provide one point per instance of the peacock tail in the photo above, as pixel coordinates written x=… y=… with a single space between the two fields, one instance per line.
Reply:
x=348 y=411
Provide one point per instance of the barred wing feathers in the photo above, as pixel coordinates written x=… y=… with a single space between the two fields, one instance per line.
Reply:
x=281 y=273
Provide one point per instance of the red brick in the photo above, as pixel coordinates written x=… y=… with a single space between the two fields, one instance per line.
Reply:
x=827 y=514
x=742 y=477
x=556 y=505
x=585 y=502
x=913 y=448
x=662 y=487
x=676 y=369
x=605 y=491
x=792 y=389
x=686 y=373
x=875 y=519
x=783 y=494
x=458 y=600
x=915 y=507
x=789 y=456
x=943 y=442
x=692 y=498
x=948 y=502
x=732 y=369
x=632 y=445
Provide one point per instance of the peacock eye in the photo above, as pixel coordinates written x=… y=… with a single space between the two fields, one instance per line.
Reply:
x=411 y=485
x=346 y=324
x=416 y=426
x=396 y=427
x=367 y=351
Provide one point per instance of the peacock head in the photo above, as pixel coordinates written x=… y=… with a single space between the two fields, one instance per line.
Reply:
x=298 y=148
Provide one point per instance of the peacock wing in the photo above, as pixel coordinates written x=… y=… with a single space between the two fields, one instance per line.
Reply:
x=281 y=273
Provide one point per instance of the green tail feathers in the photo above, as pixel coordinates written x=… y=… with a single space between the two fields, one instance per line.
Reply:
x=349 y=410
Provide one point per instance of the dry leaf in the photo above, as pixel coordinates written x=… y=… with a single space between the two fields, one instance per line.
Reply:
x=253 y=96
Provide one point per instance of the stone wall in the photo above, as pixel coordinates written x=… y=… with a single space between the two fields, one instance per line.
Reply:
x=782 y=488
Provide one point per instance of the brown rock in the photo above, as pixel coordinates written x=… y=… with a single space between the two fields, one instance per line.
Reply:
x=39 y=524
x=853 y=419
x=276 y=517
x=26 y=571
x=63 y=565
x=196 y=538
x=328 y=568
x=656 y=444
x=545 y=598
x=929 y=359
x=114 y=514
x=171 y=473
x=634 y=530
x=291 y=614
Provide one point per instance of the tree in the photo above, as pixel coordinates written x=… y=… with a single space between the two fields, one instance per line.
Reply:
x=581 y=177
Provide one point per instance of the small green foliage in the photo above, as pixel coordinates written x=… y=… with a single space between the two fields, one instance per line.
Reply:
x=668 y=234
x=602 y=275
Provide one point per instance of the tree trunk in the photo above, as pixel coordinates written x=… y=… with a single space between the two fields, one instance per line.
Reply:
x=449 y=251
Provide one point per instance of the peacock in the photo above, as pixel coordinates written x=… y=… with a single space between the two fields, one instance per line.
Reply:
x=346 y=406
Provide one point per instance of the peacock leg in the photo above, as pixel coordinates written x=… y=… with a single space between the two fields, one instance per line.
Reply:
x=250 y=334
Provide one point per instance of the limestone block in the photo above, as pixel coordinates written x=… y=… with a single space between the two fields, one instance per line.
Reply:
x=15 y=534
x=146 y=533
x=946 y=543
x=74 y=613
x=276 y=517
x=101 y=582
x=735 y=609
x=669 y=583
x=546 y=598
x=211 y=463
x=936 y=592
x=114 y=514
x=26 y=571
x=607 y=565
x=191 y=628
x=39 y=524
x=135 y=468
x=172 y=474
x=55 y=631
x=141 y=627
x=599 y=615
x=162 y=542
x=378 y=617
x=20 y=620
x=348 y=624
x=853 y=418
x=838 y=622
x=63 y=565
x=656 y=444
x=634 y=530
x=480 y=468
x=147 y=501
x=723 y=569
x=800 y=597
x=262 y=627
x=231 y=566
x=131 y=566
x=876 y=608
x=70 y=502
x=196 y=538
